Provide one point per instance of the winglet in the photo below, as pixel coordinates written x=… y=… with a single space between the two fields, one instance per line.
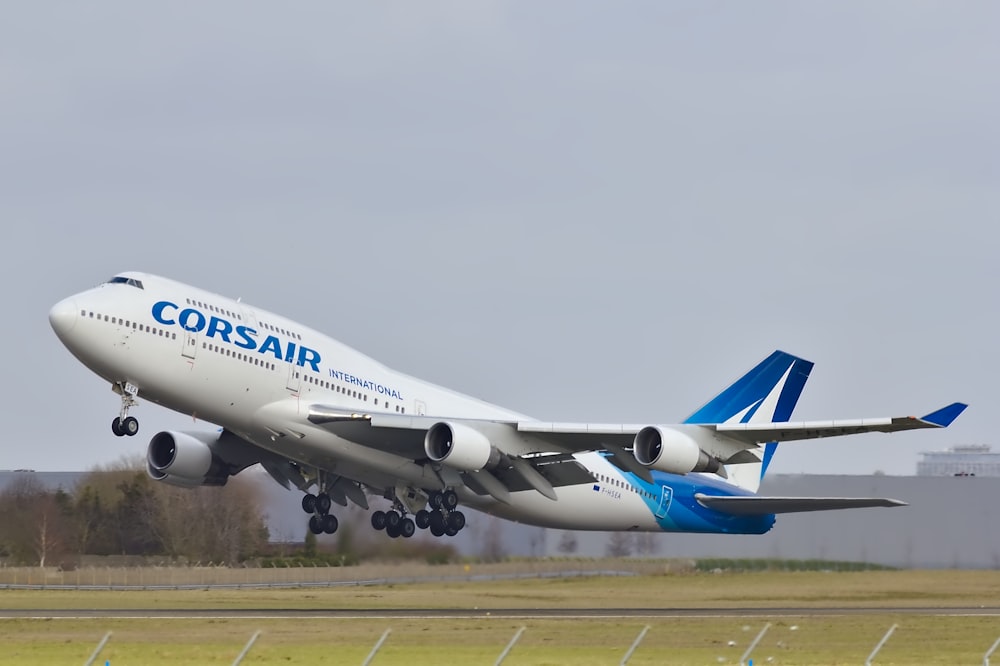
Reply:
x=943 y=417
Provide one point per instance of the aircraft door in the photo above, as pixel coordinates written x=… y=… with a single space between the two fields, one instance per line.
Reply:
x=666 y=494
x=190 y=348
x=294 y=377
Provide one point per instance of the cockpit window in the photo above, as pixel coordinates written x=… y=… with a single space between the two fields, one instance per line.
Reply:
x=124 y=280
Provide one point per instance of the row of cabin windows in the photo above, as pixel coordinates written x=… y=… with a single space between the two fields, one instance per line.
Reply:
x=240 y=356
x=278 y=329
x=214 y=308
x=351 y=393
x=624 y=486
x=136 y=326
x=238 y=317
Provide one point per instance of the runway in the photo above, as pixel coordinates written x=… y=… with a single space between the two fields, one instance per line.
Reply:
x=509 y=613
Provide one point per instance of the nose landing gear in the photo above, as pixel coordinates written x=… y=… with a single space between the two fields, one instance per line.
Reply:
x=123 y=424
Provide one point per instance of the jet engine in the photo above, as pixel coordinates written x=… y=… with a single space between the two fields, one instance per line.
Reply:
x=186 y=460
x=460 y=446
x=671 y=451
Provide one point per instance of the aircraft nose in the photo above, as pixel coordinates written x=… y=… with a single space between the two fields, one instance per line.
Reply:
x=63 y=316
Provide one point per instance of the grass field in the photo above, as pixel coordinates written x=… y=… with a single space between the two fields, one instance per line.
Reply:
x=841 y=639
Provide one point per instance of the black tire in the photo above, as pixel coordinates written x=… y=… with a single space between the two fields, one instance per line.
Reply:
x=423 y=519
x=378 y=520
x=330 y=524
x=392 y=519
x=392 y=530
x=309 y=503
x=456 y=520
x=450 y=499
x=435 y=500
x=323 y=503
x=130 y=426
x=437 y=530
x=406 y=528
x=116 y=427
x=437 y=520
x=450 y=531
x=315 y=525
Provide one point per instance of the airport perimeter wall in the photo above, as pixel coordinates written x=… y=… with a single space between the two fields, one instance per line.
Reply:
x=951 y=522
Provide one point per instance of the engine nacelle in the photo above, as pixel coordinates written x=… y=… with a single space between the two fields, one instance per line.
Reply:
x=185 y=459
x=671 y=451
x=460 y=446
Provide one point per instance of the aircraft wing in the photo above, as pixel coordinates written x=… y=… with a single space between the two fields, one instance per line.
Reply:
x=527 y=444
x=759 y=433
x=755 y=505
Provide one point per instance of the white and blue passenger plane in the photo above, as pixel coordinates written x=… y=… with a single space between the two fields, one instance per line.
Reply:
x=341 y=427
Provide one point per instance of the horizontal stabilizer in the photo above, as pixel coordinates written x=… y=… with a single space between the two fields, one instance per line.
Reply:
x=755 y=505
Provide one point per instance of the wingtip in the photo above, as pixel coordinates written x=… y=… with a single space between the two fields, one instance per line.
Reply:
x=944 y=416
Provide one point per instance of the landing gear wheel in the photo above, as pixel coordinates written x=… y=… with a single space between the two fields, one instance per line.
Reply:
x=435 y=500
x=436 y=520
x=392 y=519
x=130 y=426
x=116 y=427
x=330 y=524
x=449 y=499
x=456 y=520
x=378 y=520
x=450 y=531
x=316 y=525
x=423 y=519
x=437 y=530
x=406 y=528
x=392 y=530
x=323 y=503
x=309 y=503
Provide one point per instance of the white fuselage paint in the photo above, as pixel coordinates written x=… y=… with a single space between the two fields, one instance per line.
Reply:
x=111 y=330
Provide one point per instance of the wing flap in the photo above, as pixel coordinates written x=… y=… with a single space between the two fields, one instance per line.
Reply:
x=756 y=505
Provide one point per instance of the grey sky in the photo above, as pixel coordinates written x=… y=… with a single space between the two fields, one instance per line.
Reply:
x=583 y=211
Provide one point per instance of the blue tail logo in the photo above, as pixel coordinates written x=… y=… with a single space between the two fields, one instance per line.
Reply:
x=766 y=394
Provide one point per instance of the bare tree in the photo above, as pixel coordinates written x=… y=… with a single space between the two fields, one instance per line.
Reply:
x=619 y=544
x=568 y=543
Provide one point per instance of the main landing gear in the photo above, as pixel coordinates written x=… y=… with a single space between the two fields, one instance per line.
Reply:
x=123 y=424
x=444 y=518
x=321 y=521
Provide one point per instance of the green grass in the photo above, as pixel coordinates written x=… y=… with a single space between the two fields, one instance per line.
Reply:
x=839 y=639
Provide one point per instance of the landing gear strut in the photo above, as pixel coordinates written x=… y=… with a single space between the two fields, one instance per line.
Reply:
x=395 y=522
x=123 y=424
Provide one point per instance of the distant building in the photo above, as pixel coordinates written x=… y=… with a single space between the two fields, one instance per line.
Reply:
x=963 y=460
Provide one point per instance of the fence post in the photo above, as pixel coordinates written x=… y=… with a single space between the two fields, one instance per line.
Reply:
x=510 y=646
x=371 y=655
x=868 y=662
x=746 y=655
x=97 y=650
x=986 y=657
x=246 y=648
x=635 y=644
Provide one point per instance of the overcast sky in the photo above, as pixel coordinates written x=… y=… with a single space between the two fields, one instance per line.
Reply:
x=582 y=211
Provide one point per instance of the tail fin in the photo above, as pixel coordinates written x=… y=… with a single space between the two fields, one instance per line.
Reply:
x=766 y=394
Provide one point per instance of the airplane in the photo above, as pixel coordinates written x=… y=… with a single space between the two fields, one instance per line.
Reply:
x=339 y=426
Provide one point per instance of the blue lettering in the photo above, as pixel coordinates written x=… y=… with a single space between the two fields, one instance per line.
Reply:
x=246 y=333
x=185 y=320
x=158 y=309
x=309 y=356
x=272 y=345
x=220 y=326
x=290 y=353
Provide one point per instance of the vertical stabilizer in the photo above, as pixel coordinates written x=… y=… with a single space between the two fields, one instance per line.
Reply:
x=766 y=394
